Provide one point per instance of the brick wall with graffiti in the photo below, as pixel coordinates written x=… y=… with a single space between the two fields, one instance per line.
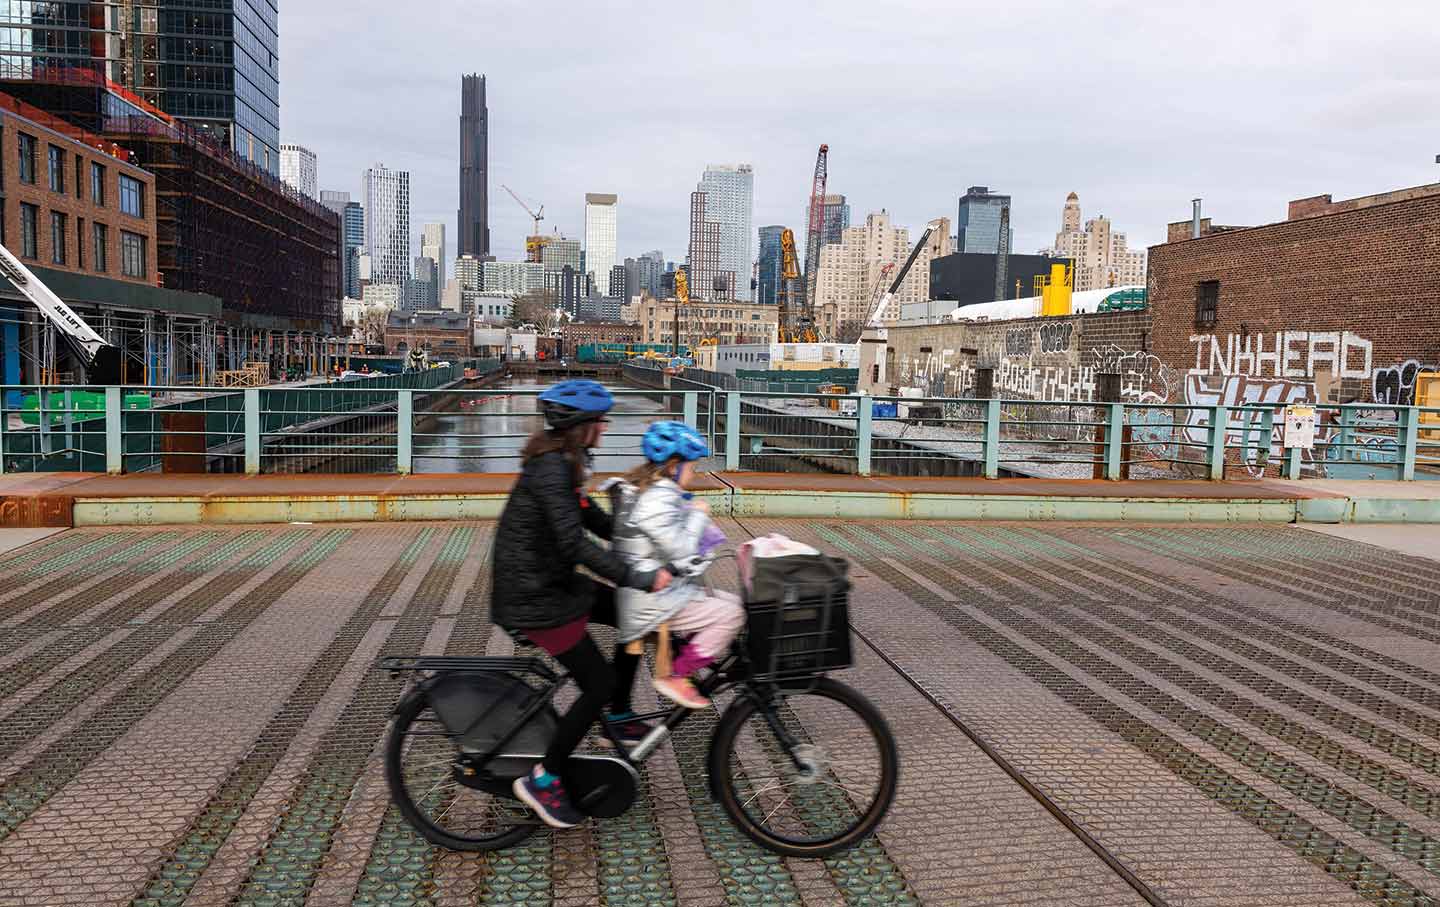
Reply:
x=1342 y=308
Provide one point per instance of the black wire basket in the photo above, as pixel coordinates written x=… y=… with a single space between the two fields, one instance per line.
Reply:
x=798 y=617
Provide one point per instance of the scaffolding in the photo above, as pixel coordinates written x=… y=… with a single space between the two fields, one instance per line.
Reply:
x=157 y=348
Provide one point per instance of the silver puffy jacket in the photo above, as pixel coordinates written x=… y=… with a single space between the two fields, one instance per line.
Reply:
x=654 y=528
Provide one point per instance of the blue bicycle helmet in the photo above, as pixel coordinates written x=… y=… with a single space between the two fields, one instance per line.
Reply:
x=575 y=402
x=664 y=440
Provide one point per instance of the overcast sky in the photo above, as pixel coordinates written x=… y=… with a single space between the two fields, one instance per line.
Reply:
x=1137 y=106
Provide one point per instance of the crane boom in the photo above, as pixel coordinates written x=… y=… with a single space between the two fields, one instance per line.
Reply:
x=815 y=227
x=536 y=216
x=80 y=335
x=877 y=315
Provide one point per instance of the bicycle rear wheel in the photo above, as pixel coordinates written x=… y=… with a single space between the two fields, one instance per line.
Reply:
x=425 y=784
x=808 y=773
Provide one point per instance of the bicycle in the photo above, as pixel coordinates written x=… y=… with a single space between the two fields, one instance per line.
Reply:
x=802 y=764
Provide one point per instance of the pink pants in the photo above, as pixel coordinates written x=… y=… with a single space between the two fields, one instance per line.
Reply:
x=711 y=623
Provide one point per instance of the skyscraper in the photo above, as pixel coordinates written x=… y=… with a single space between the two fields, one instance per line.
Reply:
x=387 y=224
x=474 y=168
x=1102 y=257
x=214 y=65
x=432 y=246
x=650 y=266
x=600 y=210
x=834 y=221
x=299 y=169
x=980 y=220
x=851 y=269
x=721 y=232
x=352 y=234
x=771 y=265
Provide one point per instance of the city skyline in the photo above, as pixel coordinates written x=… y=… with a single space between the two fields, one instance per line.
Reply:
x=913 y=153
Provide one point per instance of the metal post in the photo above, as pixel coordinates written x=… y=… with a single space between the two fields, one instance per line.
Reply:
x=864 y=413
x=252 y=430
x=992 y=439
x=5 y=418
x=732 y=430
x=1409 y=430
x=1114 y=438
x=1292 y=463
x=404 y=424
x=692 y=409
x=1347 y=433
x=1215 y=446
x=1267 y=438
x=114 y=441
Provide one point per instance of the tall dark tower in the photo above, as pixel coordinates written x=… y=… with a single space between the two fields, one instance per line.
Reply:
x=474 y=164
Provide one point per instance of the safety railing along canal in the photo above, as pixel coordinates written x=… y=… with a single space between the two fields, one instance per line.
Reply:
x=389 y=429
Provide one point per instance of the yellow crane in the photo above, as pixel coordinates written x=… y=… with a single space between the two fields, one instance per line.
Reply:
x=795 y=326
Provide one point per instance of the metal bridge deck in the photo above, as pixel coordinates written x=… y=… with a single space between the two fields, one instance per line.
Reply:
x=1227 y=715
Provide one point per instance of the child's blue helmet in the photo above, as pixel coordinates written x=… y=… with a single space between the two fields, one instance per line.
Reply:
x=666 y=440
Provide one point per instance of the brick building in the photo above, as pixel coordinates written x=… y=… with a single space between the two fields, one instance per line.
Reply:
x=83 y=218
x=446 y=335
x=575 y=333
x=1338 y=303
x=71 y=201
x=729 y=322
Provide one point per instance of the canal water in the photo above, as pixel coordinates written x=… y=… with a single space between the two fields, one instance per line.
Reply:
x=488 y=436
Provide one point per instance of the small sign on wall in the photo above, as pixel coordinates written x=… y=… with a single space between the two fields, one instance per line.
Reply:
x=1300 y=427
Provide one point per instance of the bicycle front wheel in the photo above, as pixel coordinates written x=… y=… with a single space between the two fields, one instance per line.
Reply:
x=805 y=772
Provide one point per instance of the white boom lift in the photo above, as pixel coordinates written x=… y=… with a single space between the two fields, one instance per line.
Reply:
x=873 y=340
x=87 y=344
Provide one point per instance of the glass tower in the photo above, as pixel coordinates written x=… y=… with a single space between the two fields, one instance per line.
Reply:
x=212 y=63
x=980 y=216
x=720 y=231
x=772 y=265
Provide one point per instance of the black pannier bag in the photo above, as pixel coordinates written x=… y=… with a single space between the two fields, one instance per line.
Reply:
x=798 y=615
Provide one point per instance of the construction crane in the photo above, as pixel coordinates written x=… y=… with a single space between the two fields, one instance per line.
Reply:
x=873 y=340
x=101 y=359
x=536 y=216
x=794 y=325
x=815 y=229
x=536 y=240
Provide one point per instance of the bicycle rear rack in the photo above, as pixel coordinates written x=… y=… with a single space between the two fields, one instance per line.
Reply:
x=399 y=664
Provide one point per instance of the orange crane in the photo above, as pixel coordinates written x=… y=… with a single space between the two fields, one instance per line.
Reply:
x=794 y=324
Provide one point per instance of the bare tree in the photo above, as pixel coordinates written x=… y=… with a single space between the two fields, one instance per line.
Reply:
x=536 y=307
x=849 y=331
x=372 y=324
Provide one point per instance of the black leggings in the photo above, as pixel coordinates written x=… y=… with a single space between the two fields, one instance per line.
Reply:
x=597 y=680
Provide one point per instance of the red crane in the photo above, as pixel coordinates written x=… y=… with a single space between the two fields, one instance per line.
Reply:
x=812 y=240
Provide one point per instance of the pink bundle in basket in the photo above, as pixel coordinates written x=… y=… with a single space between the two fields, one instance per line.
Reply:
x=765 y=546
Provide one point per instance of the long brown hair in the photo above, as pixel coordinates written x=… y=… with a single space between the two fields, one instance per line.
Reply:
x=569 y=441
x=647 y=473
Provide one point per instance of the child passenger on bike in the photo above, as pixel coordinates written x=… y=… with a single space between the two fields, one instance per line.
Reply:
x=659 y=523
x=540 y=540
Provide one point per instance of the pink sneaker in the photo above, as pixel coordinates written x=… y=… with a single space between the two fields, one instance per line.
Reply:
x=681 y=691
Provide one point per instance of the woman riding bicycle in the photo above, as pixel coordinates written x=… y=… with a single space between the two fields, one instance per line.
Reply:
x=540 y=540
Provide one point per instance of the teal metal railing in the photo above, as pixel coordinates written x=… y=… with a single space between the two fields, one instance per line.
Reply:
x=396 y=424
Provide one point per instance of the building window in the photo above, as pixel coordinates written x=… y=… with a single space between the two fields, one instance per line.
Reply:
x=97 y=184
x=132 y=254
x=132 y=196
x=29 y=216
x=100 y=246
x=27 y=158
x=79 y=177
x=80 y=243
x=1207 y=303
x=57 y=238
x=57 y=169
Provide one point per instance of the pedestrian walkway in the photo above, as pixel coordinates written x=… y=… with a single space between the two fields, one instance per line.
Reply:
x=1087 y=714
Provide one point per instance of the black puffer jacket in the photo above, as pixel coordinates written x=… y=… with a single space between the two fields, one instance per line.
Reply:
x=540 y=541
